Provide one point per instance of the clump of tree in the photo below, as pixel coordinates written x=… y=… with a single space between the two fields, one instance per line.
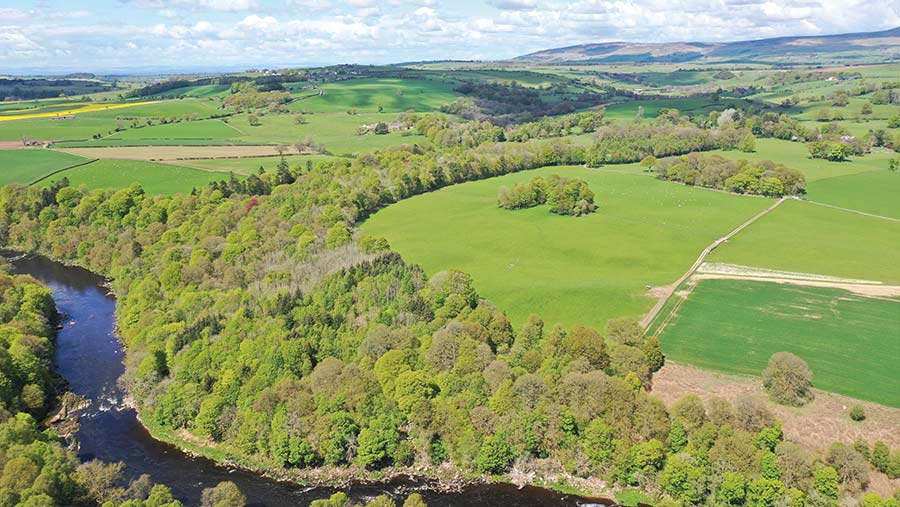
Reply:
x=251 y=99
x=788 y=379
x=565 y=196
x=758 y=177
x=833 y=151
x=506 y=104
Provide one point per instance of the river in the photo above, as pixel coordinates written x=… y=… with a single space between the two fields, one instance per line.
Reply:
x=89 y=356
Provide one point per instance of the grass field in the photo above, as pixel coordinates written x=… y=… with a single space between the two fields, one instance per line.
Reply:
x=872 y=191
x=202 y=129
x=250 y=165
x=568 y=270
x=807 y=238
x=25 y=166
x=394 y=95
x=155 y=178
x=169 y=153
x=850 y=342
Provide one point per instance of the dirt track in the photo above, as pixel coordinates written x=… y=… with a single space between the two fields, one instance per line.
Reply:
x=871 y=290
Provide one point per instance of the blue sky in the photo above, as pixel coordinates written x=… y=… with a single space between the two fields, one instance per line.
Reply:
x=154 y=35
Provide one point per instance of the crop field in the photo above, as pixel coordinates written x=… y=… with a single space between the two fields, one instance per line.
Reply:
x=568 y=270
x=74 y=108
x=27 y=165
x=394 y=95
x=807 y=238
x=156 y=179
x=850 y=342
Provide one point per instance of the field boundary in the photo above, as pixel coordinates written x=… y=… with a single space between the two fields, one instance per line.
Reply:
x=53 y=173
x=849 y=210
x=667 y=292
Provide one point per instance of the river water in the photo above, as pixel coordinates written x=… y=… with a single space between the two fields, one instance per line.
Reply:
x=89 y=356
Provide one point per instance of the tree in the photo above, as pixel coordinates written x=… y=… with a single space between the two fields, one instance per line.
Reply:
x=748 y=144
x=894 y=164
x=827 y=482
x=599 y=442
x=253 y=120
x=648 y=162
x=495 y=454
x=377 y=442
x=866 y=108
x=587 y=343
x=787 y=378
x=684 y=479
x=225 y=494
x=381 y=128
x=857 y=413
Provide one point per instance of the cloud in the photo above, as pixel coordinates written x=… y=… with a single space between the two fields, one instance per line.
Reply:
x=307 y=32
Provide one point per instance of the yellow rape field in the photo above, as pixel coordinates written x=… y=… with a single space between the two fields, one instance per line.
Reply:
x=77 y=108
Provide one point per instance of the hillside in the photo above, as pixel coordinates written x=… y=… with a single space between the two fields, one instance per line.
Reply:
x=868 y=47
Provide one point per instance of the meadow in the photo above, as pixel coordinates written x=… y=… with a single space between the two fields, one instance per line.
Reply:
x=250 y=165
x=850 y=342
x=808 y=238
x=156 y=179
x=568 y=270
x=393 y=95
x=27 y=165
x=871 y=191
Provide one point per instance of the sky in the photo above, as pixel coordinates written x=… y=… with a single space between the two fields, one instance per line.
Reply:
x=106 y=36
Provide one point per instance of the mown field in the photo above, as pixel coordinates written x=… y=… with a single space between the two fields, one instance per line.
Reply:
x=850 y=342
x=250 y=165
x=568 y=270
x=807 y=238
x=25 y=166
x=156 y=179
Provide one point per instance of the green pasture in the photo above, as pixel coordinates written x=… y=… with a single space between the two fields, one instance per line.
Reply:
x=156 y=179
x=805 y=237
x=568 y=270
x=26 y=165
x=393 y=95
x=201 y=129
x=250 y=165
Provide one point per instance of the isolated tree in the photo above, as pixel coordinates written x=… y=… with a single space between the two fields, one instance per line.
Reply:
x=748 y=144
x=281 y=149
x=788 y=378
x=866 y=108
x=253 y=120
x=225 y=494
x=648 y=162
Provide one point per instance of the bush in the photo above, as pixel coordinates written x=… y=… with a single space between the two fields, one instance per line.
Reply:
x=857 y=413
x=788 y=378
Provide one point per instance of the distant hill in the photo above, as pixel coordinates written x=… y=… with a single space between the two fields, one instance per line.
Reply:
x=867 y=47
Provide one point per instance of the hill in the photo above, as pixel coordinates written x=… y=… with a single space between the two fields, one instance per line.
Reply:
x=868 y=47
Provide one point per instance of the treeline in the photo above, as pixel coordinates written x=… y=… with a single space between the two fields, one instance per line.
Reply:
x=617 y=144
x=37 y=471
x=760 y=177
x=27 y=89
x=565 y=196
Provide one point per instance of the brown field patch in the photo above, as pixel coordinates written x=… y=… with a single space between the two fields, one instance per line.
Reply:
x=819 y=423
x=173 y=153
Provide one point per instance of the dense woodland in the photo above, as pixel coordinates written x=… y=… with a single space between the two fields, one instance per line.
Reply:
x=264 y=324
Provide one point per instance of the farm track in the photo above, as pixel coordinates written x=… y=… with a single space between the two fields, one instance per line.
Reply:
x=668 y=291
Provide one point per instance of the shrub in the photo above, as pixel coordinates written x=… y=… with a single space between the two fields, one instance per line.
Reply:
x=857 y=413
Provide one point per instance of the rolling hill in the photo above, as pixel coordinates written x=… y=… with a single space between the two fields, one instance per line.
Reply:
x=868 y=47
